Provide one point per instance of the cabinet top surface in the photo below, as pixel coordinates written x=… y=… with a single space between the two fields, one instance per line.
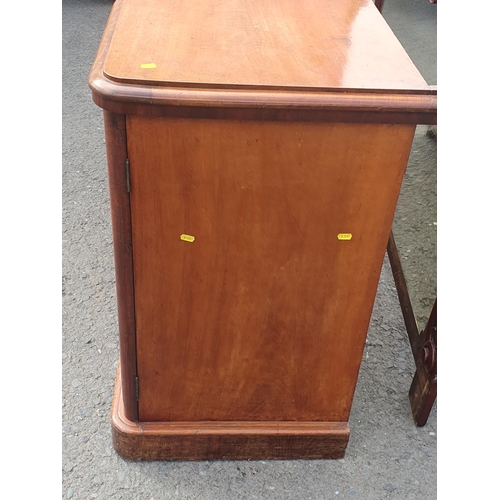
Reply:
x=328 y=45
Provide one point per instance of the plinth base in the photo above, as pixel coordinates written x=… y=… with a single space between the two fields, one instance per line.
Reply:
x=224 y=440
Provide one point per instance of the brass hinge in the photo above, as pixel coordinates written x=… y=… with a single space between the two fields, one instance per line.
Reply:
x=127 y=174
x=137 y=388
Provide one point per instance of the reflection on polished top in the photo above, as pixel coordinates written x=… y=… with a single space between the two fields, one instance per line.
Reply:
x=327 y=45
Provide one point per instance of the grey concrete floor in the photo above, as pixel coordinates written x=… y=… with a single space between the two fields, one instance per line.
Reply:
x=387 y=456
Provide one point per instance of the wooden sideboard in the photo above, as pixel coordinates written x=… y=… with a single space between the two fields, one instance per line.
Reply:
x=255 y=155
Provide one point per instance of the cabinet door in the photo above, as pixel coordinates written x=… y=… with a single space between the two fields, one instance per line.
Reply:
x=257 y=249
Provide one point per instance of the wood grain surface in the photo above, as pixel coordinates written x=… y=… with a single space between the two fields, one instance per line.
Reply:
x=116 y=150
x=326 y=44
x=335 y=104
x=224 y=440
x=264 y=315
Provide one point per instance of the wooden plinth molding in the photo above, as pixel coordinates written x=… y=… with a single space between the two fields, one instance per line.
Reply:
x=224 y=440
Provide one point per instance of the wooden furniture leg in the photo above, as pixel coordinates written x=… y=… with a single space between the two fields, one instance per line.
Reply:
x=423 y=390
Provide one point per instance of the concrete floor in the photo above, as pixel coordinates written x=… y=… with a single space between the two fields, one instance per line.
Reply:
x=387 y=456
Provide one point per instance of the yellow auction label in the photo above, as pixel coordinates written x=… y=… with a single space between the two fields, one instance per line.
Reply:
x=187 y=237
x=344 y=236
x=148 y=66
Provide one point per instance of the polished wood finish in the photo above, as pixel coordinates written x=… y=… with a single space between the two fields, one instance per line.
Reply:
x=224 y=440
x=116 y=149
x=256 y=308
x=257 y=44
x=360 y=105
x=264 y=176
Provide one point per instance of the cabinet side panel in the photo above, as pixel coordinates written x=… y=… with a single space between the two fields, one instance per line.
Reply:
x=116 y=149
x=261 y=311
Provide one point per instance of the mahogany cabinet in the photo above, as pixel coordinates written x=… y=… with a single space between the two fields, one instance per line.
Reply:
x=255 y=154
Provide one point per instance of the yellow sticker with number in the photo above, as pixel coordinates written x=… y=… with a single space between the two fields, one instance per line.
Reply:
x=344 y=236
x=148 y=66
x=187 y=237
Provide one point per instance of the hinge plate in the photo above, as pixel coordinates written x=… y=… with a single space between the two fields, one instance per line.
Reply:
x=127 y=174
x=137 y=388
